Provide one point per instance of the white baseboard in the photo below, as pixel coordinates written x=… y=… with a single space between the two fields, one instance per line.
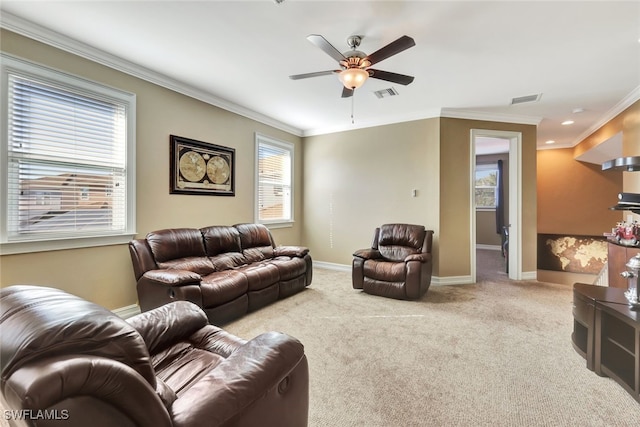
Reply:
x=331 y=266
x=435 y=280
x=450 y=280
x=489 y=247
x=529 y=275
x=128 y=311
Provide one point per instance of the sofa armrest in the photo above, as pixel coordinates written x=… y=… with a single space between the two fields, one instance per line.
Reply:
x=240 y=381
x=368 y=254
x=86 y=389
x=292 y=251
x=421 y=257
x=168 y=324
x=172 y=277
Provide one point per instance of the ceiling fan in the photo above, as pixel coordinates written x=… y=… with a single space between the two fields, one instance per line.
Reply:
x=355 y=64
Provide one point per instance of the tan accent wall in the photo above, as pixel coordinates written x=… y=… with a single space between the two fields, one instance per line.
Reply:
x=357 y=180
x=104 y=274
x=455 y=183
x=581 y=204
x=574 y=197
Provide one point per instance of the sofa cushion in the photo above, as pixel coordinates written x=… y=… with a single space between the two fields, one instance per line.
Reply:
x=256 y=242
x=221 y=239
x=221 y=287
x=176 y=243
x=180 y=249
x=228 y=261
x=289 y=268
x=260 y=275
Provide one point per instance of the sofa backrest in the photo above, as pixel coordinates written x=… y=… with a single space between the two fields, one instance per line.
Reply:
x=181 y=249
x=397 y=241
x=40 y=322
x=256 y=242
x=222 y=244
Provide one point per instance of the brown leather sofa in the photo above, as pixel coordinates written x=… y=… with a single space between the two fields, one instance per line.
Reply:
x=226 y=270
x=68 y=362
x=398 y=264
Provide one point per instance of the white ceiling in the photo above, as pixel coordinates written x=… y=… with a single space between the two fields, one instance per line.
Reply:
x=471 y=58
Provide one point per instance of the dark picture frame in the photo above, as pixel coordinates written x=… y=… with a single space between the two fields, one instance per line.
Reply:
x=198 y=167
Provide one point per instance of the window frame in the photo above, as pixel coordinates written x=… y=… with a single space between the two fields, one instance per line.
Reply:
x=283 y=145
x=10 y=64
x=485 y=167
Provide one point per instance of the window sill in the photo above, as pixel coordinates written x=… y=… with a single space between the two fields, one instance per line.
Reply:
x=13 y=248
x=283 y=224
x=485 y=209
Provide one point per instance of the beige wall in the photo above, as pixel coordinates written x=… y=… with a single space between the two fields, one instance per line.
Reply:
x=357 y=180
x=455 y=183
x=104 y=274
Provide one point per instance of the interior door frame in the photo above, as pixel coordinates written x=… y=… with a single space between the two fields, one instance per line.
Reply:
x=515 y=199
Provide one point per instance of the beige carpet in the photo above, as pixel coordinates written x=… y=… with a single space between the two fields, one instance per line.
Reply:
x=495 y=353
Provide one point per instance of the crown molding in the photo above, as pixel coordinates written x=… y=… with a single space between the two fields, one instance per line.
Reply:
x=33 y=31
x=456 y=113
x=624 y=103
x=390 y=120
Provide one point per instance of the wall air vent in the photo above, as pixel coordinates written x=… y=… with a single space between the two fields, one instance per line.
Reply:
x=525 y=99
x=383 y=93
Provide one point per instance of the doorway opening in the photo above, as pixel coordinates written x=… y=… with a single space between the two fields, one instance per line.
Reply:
x=495 y=205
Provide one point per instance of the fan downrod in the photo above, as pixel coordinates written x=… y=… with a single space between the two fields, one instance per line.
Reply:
x=354 y=41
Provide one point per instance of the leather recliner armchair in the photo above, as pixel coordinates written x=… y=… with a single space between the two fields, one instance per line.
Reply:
x=66 y=361
x=398 y=264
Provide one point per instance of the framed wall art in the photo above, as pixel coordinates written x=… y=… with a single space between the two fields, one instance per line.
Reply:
x=201 y=168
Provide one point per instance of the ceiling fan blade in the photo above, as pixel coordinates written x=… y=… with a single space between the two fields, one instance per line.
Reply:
x=403 y=43
x=327 y=47
x=390 y=77
x=346 y=92
x=316 y=74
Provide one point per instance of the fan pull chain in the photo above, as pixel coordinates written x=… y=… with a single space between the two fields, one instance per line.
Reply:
x=352 y=108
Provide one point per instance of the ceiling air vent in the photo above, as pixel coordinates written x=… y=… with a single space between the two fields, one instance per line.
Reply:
x=524 y=99
x=383 y=93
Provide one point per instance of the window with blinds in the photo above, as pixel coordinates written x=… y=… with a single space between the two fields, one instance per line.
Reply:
x=66 y=153
x=274 y=161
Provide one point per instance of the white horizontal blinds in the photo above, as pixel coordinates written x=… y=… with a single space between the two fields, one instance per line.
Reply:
x=274 y=182
x=67 y=161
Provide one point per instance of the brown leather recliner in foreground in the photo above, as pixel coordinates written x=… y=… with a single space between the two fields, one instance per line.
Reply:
x=398 y=264
x=68 y=362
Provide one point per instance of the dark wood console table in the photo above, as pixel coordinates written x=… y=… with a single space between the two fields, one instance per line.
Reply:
x=606 y=332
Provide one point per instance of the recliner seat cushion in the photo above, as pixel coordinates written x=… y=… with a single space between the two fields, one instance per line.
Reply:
x=385 y=271
x=182 y=365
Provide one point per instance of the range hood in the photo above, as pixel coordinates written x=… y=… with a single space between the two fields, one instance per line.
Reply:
x=627 y=164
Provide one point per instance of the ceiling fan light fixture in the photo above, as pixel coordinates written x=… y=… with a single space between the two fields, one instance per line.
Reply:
x=353 y=78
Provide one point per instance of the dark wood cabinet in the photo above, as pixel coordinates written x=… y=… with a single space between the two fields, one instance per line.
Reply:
x=617 y=257
x=584 y=316
x=606 y=332
x=617 y=345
